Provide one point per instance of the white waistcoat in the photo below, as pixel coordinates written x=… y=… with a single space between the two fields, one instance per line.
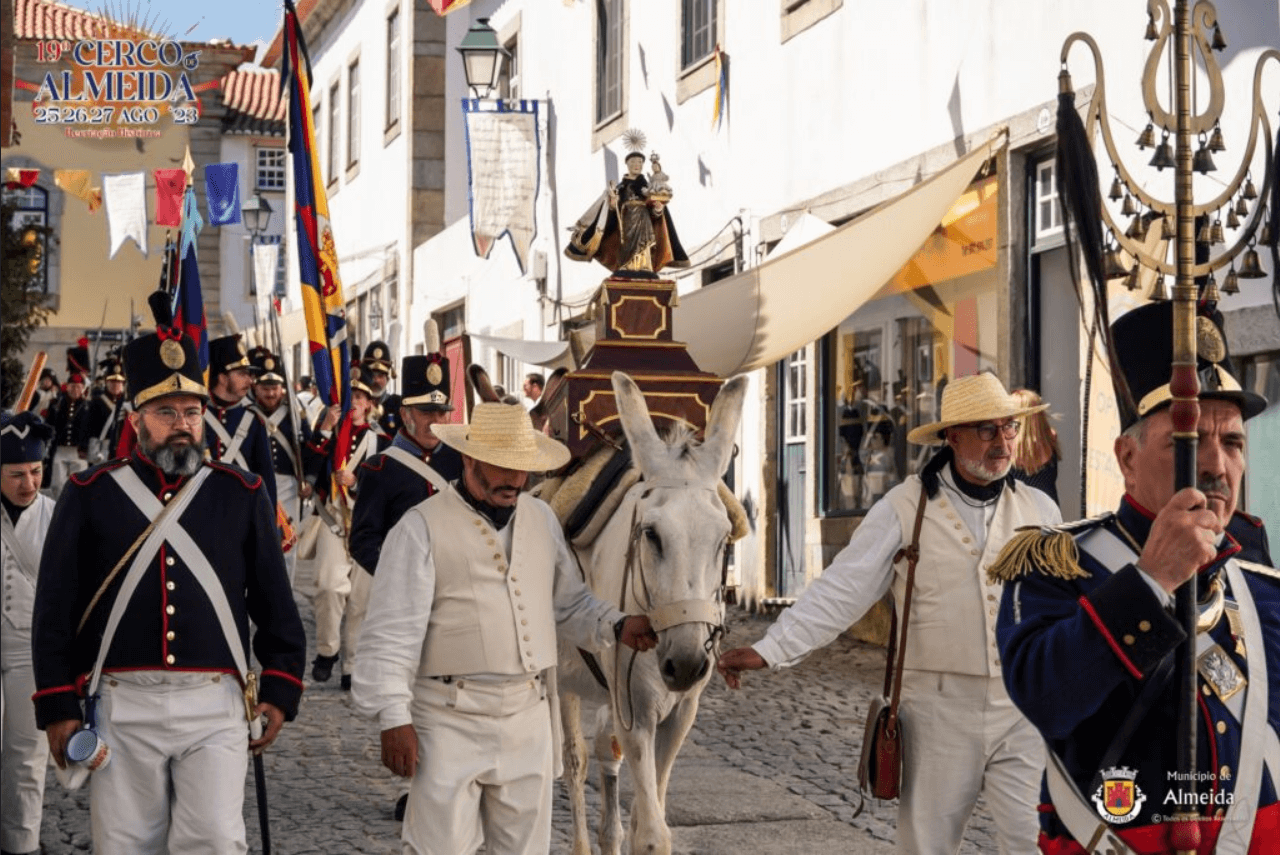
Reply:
x=953 y=607
x=492 y=614
x=20 y=591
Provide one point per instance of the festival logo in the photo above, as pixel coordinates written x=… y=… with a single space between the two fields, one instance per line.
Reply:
x=1119 y=799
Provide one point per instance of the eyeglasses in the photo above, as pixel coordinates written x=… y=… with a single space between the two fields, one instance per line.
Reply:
x=169 y=416
x=987 y=432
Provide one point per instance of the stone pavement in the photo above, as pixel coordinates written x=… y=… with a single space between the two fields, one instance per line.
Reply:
x=768 y=770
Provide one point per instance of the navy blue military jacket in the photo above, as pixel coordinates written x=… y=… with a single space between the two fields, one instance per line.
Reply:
x=70 y=422
x=280 y=439
x=100 y=412
x=386 y=489
x=1077 y=652
x=169 y=624
x=256 y=448
x=390 y=418
x=320 y=450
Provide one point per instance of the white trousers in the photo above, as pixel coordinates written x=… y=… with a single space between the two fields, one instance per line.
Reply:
x=66 y=462
x=24 y=751
x=176 y=777
x=342 y=588
x=964 y=736
x=485 y=769
x=287 y=496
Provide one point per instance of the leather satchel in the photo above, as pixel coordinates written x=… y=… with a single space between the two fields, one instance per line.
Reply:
x=880 y=769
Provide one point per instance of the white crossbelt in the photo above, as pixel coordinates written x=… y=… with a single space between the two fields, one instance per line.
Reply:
x=417 y=464
x=284 y=441
x=231 y=454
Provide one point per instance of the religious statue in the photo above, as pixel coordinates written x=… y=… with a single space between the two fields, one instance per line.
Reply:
x=629 y=228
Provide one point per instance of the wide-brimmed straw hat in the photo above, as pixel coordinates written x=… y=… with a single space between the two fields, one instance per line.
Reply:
x=978 y=398
x=503 y=435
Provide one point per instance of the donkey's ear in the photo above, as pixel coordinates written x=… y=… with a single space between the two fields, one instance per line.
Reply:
x=484 y=391
x=722 y=427
x=647 y=448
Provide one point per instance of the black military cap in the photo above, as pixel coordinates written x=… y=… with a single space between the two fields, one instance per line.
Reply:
x=424 y=382
x=226 y=353
x=24 y=438
x=1144 y=349
x=362 y=379
x=377 y=356
x=266 y=365
x=78 y=358
x=163 y=363
x=112 y=369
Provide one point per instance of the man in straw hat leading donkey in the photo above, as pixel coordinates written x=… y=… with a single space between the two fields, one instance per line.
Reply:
x=962 y=734
x=457 y=656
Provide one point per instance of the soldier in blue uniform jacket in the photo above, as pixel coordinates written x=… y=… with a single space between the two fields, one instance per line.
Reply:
x=377 y=359
x=233 y=433
x=169 y=702
x=396 y=480
x=1088 y=634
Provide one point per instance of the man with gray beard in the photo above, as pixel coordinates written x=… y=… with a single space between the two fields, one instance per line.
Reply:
x=154 y=567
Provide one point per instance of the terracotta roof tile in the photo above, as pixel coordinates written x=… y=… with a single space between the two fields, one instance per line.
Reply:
x=253 y=102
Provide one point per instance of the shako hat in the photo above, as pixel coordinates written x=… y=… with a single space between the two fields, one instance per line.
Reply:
x=362 y=379
x=78 y=358
x=976 y=398
x=226 y=353
x=24 y=437
x=503 y=435
x=112 y=369
x=164 y=362
x=1144 y=350
x=424 y=380
x=266 y=365
x=377 y=356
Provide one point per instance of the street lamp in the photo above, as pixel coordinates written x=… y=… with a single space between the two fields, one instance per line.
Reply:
x=482 y=57
x=256 y=211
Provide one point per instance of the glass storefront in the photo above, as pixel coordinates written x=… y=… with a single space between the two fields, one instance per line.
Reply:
x=884 y=367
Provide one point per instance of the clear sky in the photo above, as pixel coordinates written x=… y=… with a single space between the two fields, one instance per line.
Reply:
x=243 y=21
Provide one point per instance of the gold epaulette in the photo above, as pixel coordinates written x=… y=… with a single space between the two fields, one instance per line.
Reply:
x=1050 y=551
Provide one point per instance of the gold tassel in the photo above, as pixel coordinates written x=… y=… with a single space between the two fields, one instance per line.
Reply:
x=1050 y=552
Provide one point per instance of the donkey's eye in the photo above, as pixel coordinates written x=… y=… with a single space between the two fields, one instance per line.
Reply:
x=651 y=535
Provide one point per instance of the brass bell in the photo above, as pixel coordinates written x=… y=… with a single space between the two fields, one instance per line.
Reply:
x=1137 y=229
x=1216 y=234
x=1215 y=139
x=1251 y=267
x=1168 y=231
x=1159 y=291
x=1219 y=43
x=1264 y=236
x=1249 y=192
x=1233 y=220
x=1210 y=293
x=1242 y=207
x=1112 y=266
x=1164 y=155
x=1151 y=34
x=1147 y=139
x=1117 y=189
x=1202 y=162
x=1231 y=284
x=1128 y=209
x=1131 y=281
x=1205 y=235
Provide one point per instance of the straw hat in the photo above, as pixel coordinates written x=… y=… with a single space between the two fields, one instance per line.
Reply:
x=977 y=398
x=503 y=435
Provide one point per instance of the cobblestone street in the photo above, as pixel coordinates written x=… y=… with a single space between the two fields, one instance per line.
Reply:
x=769 y=769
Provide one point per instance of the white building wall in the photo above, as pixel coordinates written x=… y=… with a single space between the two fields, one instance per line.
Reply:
x=233 y=245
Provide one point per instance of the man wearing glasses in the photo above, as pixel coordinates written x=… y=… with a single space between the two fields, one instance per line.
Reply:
x=964 y=735
x=153 y=569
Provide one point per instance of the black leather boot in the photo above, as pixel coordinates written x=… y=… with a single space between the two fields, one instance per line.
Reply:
x=322 y=668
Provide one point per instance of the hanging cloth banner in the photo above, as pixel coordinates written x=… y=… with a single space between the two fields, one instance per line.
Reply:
x=222 y=193
x=76 y=182
x=503 y=156
x=266 y=255
x=125 y=196
x=169 y=186
x=722 y=89
x=15 y=177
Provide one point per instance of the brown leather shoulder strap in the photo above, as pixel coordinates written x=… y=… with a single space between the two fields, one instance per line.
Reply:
x=893 y=671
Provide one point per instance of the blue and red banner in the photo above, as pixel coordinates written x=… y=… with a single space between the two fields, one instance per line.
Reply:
x=322 y=303
x=188 y=301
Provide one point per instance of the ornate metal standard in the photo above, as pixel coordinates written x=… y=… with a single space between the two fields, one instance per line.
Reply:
x=1185 y=39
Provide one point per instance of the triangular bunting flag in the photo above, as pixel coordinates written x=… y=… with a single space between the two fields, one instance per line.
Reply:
x=15 y=177
x=169 y=186
x=125 y=196
x=76 y=182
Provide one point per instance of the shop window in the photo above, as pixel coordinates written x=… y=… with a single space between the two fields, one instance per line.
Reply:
x=885 y=366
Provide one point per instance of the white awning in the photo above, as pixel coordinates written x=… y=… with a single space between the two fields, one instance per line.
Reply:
x=759 y=316
x=549 y=354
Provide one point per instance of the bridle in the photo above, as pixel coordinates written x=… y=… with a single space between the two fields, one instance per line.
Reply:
x=663 y=616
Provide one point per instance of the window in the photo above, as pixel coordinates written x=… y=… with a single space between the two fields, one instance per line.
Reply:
x=884 y=367
x=1048 y=212
x=280 y=289
x=32 y=211
x=800 y=15
x=797 y=396
x=315 y=126
x=270 y=167
x=334 y=133
x=608 y=59
x=697 y=31
x=509 y=79
x=393 y=69
x=353 y=114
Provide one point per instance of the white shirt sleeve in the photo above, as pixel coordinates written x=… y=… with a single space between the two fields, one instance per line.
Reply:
x=855 y=581
x=584 y=619
x=390 y=645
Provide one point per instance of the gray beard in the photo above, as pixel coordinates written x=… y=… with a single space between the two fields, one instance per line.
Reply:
x=178 y=463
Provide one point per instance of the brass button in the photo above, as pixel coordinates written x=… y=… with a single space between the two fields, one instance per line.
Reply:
x=169 y=561
x=514 y=579
x=526 y=638
x=1205 y=689
x=524 y=622
x=964 y=540
x=1220 y=813
x=169 y=659
x=217 y=678
x=958 y=526
x=167 y=496
x=517 y=592
x=991 y=597
x=974 y=552
x=1129 y=640
x=1222 y=727
x=491 y=542
x=170 y=635
x=942 y=503
x=520 y=606
x=1144 y=625
x=169 y=610
x=497 y=556
x=502 y=568
x=1224 y=774
x=170 y=585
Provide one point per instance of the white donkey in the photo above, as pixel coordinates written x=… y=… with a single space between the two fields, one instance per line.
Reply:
x=661 y=553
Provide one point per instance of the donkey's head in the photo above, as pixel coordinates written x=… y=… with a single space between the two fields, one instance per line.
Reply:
x=680 y=528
